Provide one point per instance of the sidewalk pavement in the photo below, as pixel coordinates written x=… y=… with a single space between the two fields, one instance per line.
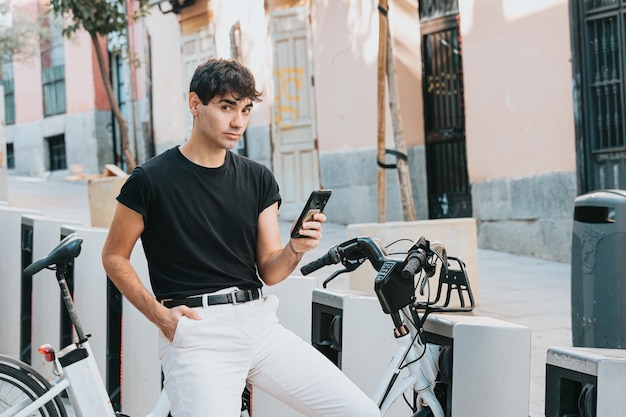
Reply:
x=517 y=289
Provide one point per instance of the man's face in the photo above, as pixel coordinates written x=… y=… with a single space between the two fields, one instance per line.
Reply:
x=221 y=122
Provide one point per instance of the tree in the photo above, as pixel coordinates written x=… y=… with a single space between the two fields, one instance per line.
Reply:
x=101 y=18
x=386 y=71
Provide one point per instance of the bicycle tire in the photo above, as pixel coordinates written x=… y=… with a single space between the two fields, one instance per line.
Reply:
x=17 y=383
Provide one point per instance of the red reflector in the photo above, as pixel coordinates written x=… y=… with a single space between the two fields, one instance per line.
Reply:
x=48 y=352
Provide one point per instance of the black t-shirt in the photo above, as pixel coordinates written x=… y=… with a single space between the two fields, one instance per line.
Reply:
x=200 y=223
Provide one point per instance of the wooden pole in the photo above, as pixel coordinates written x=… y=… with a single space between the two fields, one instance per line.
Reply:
x=404 y=175
x=382 y=66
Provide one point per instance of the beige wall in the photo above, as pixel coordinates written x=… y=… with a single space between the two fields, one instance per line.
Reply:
x=169 y=94
x=404 y=26
x=345 y=52
x=254 y=48
x=345 y=49
x=518 y=97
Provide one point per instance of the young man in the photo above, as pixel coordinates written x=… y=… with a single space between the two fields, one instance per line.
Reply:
x=208 y=222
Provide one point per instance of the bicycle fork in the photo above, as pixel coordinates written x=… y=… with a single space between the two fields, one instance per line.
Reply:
x=423 y=370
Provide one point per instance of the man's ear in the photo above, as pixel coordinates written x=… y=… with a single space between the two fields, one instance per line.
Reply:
x=194 y=103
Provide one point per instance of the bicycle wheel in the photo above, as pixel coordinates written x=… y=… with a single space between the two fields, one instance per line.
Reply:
x=17 y=384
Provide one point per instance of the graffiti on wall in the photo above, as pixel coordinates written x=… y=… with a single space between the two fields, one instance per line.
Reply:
x=287 y=99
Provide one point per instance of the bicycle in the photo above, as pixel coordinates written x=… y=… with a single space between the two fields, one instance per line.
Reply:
x=417 y=367
x=24 y=392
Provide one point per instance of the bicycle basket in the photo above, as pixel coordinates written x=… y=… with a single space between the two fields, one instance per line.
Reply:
x=453 y=293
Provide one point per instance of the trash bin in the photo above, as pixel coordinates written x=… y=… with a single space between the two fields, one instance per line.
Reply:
x=598 y=275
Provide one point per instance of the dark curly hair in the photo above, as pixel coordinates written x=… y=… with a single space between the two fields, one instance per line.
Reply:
x=218 y=77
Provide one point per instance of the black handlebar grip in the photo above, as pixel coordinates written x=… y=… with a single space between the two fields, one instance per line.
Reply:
x=415 y=262
x=313 y=266
x=330 y=258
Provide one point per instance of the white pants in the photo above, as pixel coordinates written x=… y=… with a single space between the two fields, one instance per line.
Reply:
x=207 y=365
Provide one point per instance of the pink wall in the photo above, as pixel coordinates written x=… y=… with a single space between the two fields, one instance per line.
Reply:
x=518 y=97
x=79 y=75
x=345 y=48
x=28 y=94
x=81 y=71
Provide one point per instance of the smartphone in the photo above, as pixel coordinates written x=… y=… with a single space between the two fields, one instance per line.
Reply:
x=315 y=204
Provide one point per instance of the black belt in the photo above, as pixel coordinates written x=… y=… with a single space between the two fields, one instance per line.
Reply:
x=235 y=297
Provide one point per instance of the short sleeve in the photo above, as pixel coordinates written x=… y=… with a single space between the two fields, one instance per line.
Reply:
x=272 y=192
x=135 y=193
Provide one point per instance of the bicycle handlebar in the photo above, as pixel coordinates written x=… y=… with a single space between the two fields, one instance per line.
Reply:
x=349 y=251
x=330 y=258
x=394 y=283
x=361 y=248
x=414 y=263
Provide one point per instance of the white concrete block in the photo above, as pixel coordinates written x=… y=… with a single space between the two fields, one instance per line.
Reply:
x=11 y=277
x=459 y=236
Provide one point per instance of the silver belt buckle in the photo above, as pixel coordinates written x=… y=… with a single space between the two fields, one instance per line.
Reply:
x=233 y=296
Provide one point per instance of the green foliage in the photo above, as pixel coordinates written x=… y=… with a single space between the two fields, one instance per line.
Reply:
x=101 y=17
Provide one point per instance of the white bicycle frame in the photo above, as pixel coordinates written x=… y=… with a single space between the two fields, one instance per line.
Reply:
x=75 y=365
x=89 y=398
x=84 y=386
x=82 y=380
x=422 y=364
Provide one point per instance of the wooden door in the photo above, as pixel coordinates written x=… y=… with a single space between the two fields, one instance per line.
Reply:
x=197 y=48
x=294 y=157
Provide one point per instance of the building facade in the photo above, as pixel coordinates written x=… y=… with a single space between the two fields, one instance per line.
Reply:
x=500 y=115
x=57 y=113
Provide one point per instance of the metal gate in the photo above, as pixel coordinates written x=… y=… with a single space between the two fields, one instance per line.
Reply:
x=449 y=192
x=599 y=38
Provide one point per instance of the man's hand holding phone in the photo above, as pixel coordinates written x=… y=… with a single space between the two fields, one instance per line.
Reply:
x=309 y=223
x=314 y=205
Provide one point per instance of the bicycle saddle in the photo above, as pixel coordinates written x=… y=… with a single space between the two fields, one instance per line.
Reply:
x=64 y=253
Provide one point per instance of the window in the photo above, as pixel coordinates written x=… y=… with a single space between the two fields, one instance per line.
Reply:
x=53 y=68
x=56 y=152
x=430 y=9
x=10 y=156
x=605 y=80
x=9 y=90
